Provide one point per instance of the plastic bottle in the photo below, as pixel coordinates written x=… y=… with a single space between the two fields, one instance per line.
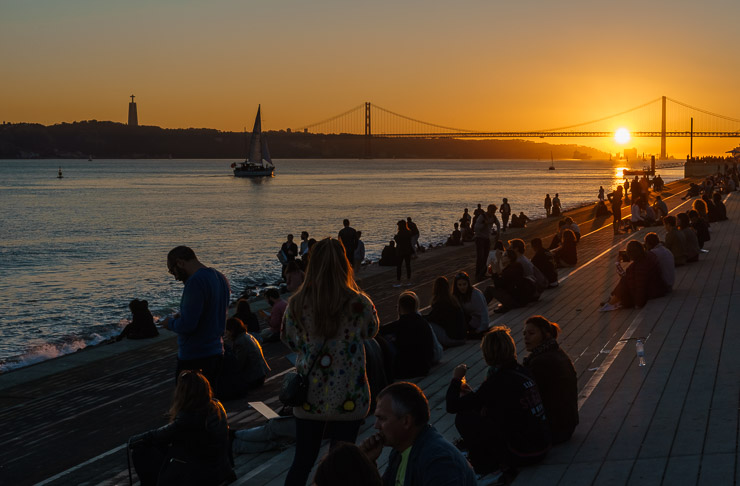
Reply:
x=640 y=347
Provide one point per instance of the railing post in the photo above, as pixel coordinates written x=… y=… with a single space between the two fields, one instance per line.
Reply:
x=368 y=132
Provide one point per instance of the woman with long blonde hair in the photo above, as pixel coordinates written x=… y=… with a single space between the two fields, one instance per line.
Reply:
x=325 y=324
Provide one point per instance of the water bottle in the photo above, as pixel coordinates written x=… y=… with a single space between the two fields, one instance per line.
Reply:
x=640 y=347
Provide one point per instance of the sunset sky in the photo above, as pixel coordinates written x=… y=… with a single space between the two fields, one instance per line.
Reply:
x=483 y=65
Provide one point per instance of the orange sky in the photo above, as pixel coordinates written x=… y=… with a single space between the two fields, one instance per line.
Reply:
x=484 y=65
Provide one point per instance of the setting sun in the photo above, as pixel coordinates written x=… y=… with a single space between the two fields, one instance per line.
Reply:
x=622 y=136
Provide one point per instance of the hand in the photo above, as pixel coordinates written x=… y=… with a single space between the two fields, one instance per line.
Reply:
x=372 y=446
x=465 y=389
x=459 y=372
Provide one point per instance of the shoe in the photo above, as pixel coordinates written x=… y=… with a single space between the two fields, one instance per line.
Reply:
x=610 y=307
x=408 y=284
x=704 y=251
x=396 y=285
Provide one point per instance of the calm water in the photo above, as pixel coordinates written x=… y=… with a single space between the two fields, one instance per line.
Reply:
x=75 y=251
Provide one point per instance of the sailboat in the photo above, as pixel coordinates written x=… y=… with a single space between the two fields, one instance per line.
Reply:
x=59 y=175
x=552 y=162
x=258 y=162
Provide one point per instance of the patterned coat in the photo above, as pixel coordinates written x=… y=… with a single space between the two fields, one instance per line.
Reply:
x=338 y=389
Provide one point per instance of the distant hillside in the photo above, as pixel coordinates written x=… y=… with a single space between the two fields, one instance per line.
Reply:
x=116 y=140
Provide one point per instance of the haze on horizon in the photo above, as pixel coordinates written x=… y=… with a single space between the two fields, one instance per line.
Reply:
x=481 y=65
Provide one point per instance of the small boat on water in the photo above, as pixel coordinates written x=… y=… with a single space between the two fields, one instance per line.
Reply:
x=552 y=162
x=59 y=175
x=258 y=162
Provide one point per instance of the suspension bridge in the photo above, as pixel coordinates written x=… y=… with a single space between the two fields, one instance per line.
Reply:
x=662 y=117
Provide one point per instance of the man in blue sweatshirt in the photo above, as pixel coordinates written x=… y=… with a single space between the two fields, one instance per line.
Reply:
x=200 y=323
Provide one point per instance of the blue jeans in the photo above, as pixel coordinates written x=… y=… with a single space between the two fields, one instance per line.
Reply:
x=308 y=442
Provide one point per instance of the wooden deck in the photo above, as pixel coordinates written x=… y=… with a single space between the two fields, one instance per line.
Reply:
x=673 y=421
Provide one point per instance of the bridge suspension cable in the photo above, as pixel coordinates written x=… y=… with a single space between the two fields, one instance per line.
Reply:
x=600 y=119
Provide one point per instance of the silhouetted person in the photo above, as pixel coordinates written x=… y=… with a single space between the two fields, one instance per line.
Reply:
x=348 y=237
x=142 y=322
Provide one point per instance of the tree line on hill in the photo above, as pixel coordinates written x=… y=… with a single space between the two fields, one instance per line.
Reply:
x=111 y=140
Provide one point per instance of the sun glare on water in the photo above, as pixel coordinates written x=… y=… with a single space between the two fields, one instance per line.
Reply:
x=622 y=136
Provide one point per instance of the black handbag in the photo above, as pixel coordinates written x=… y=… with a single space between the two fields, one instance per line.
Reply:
x=294 y=390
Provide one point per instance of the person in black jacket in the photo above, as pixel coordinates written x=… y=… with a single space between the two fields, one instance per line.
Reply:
x=545 y=262
x=502 y=423
x=554 y=374
x=193 y=449
x=404 y=250
x=142 y=322
x=511 y=288
x=244 y=313
x=411 y=339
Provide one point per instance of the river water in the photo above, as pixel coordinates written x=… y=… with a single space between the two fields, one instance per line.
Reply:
x=74 y=251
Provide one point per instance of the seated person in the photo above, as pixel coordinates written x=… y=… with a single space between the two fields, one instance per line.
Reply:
x=455 y=238
x=701 y=228
x=388 y=257
x=402 y=421
x=519 y=221
x=665 y=259
x=446 y=316
x=411 y=339
x=277 y=309
x=719 y=206
x=660 y=208
x=640 y=282
x=558 y=238
x=675 y=240
x=293 y=276
x=468 y=234
x=142 y=322
x=170 y=455
x=244 y=313
x=694 y=191
x=545 y=262
x=554 y=374
x=512 y=289
x=244 y=366
x=566 y=255
x=502 y=422
x=601 y=210
x=473 y=304
x=493 y=263
x=651 y=218
x=636 y=216
x=571 y=225
x=692 y=241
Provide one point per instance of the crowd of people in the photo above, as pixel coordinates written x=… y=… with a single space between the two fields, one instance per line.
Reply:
x=354 y=367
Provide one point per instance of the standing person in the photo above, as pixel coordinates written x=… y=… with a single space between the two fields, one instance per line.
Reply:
x=403 y=251
x=505 y=213
x=304 y=244
x=290 y=250
x=193 y=448
x=201 y=321
x=557 y=208
x=615 y=198
x=482 y=230
x=348 y=237
x=465 y=220
x=414 y=235
x=548 y=204
x=326 y=323
x=601 y=193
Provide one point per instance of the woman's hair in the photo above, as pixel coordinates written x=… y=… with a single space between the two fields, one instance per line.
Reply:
x=328 y=285
x=547 y=328
x=511 y=255
x=346 y=464
x=192 y=394
x=467 y=295
x=235 y=326
x=635 y=250
x=402 y=225
x=716 y=197
x=700 y=206
x=441 y=293
x=683 y=220
x=498 y=346
x=499 y=245
x=242 y=307
x=693 y=214
x=569 y=236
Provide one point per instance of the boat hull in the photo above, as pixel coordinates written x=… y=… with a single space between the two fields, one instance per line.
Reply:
x=249 y=172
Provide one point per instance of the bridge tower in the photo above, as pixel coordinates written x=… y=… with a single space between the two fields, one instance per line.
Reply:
x=662 y=133
x=368 y=132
